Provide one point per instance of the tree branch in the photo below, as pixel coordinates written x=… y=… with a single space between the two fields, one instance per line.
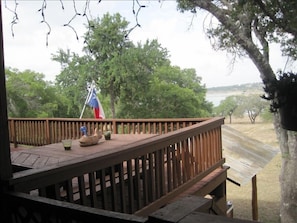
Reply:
x=246 y=43
x=15 y=17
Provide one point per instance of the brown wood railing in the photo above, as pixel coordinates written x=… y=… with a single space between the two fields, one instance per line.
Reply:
x=23 y=208
x=38 y=132
x=137 y=180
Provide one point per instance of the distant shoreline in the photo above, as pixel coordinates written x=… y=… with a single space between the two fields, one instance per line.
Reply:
x=218 y=94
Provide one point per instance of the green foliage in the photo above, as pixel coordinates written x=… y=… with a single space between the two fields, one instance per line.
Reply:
x=227 y=107
x=138 y=80
x=282 y=91
x=71 y=82
x=106 y=42
x=240 y=105
x=252 y=105
x=266 y=115
x=169 y=93
x=28 y=95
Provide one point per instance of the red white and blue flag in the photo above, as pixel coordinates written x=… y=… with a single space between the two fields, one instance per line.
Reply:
x=94 y=102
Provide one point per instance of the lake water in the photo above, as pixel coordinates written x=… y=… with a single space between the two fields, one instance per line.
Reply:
x=216 y=98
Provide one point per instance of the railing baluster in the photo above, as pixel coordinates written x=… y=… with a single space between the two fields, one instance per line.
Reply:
x=151 y=179
x=103 y=189
x=137 y=184
x=144 y=179
x=157 y=174
x=162 y=172
x=69 y=191
x=157 y=169
x=178 y=164
x=113 y=189
x=130 y=186
x=122 y=188
x=82 y=190
x=93 y=193
x=168 y=165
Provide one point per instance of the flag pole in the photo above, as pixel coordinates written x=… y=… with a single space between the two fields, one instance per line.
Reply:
x=87 y=99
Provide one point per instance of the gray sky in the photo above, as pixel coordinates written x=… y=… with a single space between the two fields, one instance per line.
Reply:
x=181 y=33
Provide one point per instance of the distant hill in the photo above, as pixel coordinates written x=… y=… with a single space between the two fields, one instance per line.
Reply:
x=251 y=87
x=217 y=94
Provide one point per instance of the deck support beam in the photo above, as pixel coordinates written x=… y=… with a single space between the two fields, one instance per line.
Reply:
x=255 y=199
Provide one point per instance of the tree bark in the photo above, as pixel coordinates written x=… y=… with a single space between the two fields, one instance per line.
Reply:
x=288 y=176
x=287 y=139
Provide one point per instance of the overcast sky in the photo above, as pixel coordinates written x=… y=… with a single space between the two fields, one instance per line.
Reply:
x=182 y=34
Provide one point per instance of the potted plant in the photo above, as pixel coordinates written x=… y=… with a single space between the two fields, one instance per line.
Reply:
x=282 y=92
x=107 y=135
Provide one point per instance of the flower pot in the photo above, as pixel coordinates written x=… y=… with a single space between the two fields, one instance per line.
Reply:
x=107 y=135
x=288 y=115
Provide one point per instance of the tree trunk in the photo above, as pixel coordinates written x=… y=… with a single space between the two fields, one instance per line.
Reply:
x=112 y=100
x=287 y=139
x=288 y=176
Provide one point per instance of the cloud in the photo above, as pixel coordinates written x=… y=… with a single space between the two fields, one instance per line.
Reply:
x=181 y=33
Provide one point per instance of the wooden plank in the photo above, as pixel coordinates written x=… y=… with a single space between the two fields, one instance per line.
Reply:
x=113 y=189
x=199 y=217
x=137 y=181
x=41 y=161
x=71 y=212
x=93 y=192
x=54 y=154
x=245 y=156
x=82 y=190
x=103 y=189
x=130 y=186
x=122 y=188
x=32 y=158
x=170 y=196
x=145 y=180
x=21 y=158
x=176 y=211
x=206 y=184
x=255 y=199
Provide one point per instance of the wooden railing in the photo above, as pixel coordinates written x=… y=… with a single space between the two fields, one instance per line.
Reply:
x=22 y=208
x=138 y=180
x=38 y=132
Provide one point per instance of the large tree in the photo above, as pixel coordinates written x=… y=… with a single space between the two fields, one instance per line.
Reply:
x=247 y=28
x=227 y=107
x=105 y=42
x=252 y=105
x=76 y=72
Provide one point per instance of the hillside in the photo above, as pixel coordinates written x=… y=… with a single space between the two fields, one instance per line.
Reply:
x=251 y=87
x=217 y=94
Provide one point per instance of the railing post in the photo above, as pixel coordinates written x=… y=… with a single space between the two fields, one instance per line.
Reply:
x=5 y=161
x=115 y=128
x=47 y=131
x=13 y=130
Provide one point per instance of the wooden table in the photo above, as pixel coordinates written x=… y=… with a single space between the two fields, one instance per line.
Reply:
x=38 y=157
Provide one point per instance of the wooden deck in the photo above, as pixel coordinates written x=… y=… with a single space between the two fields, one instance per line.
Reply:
x=54 y=154
x=145 y=172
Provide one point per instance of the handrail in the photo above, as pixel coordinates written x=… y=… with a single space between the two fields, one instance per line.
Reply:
x=145 y=170
x=43 y=131
x=46 y=209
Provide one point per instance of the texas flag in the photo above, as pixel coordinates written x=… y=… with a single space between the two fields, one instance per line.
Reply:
x=96 y=105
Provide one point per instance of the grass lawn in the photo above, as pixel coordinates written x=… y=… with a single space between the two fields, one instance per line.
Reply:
x=267 y=179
